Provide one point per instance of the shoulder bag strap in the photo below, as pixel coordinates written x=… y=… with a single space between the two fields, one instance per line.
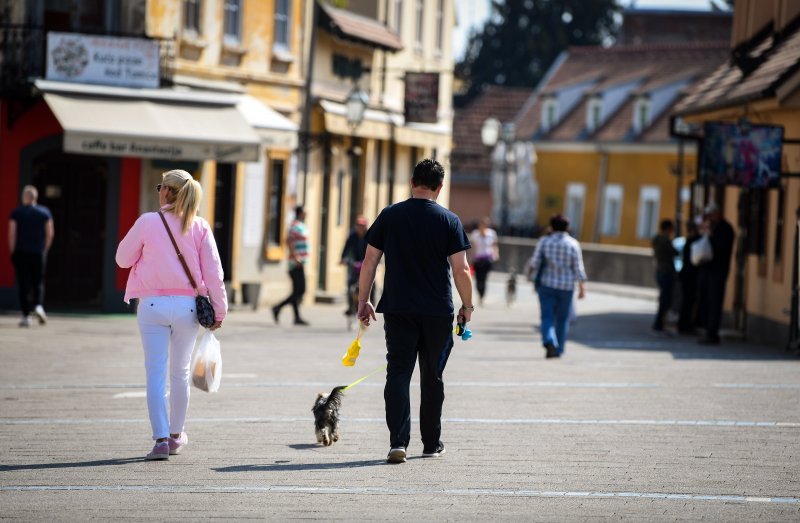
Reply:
x=178 y=251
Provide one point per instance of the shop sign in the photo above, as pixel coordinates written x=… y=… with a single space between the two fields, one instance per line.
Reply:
x=163 y=149
x=104 y=60
x=422 y=97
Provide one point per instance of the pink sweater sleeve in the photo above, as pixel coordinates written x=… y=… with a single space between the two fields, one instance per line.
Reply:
x=129 y=249
x=211 y=269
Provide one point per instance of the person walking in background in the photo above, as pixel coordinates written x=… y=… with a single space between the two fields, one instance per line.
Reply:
x=560 y=257
x=687 y=319
x=355 y=248
x=664 y=254
x=166 y=312
x=484 y=253
x=298 y=255
x=713 y=274
x=422 y=242
x=30 y=235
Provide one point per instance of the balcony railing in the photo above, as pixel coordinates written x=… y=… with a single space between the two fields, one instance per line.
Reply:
x=22 y=58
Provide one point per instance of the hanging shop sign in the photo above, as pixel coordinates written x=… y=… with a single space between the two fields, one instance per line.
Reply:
x=422 y=97
x=104 y=60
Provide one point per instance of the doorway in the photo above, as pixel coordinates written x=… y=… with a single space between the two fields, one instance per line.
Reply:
x=75 y=189
x=224 y=195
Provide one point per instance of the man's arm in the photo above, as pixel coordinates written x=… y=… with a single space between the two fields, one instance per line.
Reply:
x=463 y=281
x=365 y=281
x=12 y=235
x=49 y=234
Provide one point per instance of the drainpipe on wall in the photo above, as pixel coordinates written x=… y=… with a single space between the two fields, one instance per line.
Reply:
x=305 y=133
x=602 y=178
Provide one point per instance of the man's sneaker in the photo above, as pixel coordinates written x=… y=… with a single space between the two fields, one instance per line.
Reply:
x=550 y=351
x=159 y=452
x=177 y=444
x=275 y=312
x=39 y=312
x=25 y=321
x=434 y=453
x=396 y=455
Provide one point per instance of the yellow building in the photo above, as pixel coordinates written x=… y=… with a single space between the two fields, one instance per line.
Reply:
x=758 y=85
x=599 y=125
x=252 y=50
x=396 y=58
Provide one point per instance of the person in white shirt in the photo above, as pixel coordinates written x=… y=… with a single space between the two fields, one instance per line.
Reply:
x=484 y=253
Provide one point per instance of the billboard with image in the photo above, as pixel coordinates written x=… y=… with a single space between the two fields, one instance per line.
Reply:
x=741 y=154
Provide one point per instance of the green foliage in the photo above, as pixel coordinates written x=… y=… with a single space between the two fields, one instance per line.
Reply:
x=522 y=38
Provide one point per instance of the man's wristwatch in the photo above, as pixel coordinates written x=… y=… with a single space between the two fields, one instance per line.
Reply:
x=470 y=308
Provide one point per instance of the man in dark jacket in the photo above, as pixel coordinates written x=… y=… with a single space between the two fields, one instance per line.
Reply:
x=664 y=254
x=714 y=274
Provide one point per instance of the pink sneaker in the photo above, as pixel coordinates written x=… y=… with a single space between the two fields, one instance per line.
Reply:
x=177 y=444
x=160 y=452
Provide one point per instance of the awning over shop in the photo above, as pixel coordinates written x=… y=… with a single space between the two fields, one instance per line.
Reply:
x=276 y=131
x=157 y=127
x=378 y=125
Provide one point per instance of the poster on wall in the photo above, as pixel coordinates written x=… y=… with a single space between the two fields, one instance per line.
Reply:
x=741 y=154
x=103 y=60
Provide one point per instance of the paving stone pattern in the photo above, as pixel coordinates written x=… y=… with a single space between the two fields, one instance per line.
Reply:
x=627 y=426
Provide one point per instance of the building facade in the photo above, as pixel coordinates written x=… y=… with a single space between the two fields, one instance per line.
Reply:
x=757 y=86
x=396 y=57
x=99 y=98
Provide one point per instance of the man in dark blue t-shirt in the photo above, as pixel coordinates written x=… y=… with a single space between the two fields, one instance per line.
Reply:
x=30 y=235
x=422 y=241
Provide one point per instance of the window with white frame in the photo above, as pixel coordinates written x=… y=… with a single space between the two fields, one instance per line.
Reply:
x=575 y=202
x=549 y=113
x=420 y=14
x=282 y=27
x=232 y=18
x=642 y=113
x=649 y=209
x=191 y=16
x=397 y=18
x=439 y=26
x=612 y=209
x=594 y=113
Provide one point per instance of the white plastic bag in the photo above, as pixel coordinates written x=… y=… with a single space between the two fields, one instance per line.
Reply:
x=701 y=250
x=207 y=363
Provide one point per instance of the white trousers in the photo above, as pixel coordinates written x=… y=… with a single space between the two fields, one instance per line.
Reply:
x=168 y=326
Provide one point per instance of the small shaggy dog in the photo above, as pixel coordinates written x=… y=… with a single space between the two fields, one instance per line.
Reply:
x=511 y=288
x=326 y=415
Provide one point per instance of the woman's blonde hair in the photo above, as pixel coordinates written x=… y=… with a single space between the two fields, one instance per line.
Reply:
x=184 y=196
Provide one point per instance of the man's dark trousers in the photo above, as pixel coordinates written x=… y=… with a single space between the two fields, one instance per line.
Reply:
x=298 y=277
x=665 y=281
x=409 y=335
x=29 y=267
x=715 y=297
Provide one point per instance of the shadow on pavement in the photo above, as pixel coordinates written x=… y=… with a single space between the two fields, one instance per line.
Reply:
x=77 y=464
x=304 y=446
x=299 y=467
x=631 y=331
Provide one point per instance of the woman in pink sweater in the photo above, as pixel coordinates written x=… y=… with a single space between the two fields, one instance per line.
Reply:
x=166 y=312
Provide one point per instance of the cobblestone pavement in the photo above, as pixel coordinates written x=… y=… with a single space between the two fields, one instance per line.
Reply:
x=625 y=426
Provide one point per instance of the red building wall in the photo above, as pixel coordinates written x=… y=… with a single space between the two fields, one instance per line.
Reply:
x=36 y=123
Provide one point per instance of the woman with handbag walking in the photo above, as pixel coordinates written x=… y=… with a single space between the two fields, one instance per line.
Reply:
x=176 y=275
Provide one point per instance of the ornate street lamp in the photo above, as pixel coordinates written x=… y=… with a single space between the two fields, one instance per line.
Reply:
x=356 y=104
x=491 y=131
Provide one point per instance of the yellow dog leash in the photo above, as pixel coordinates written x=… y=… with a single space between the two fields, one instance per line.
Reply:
x=359 y=380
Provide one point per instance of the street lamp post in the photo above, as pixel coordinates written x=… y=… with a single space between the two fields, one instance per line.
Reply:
x=491 y=131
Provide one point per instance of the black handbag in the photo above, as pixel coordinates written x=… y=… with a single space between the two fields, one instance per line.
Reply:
x=205 y=311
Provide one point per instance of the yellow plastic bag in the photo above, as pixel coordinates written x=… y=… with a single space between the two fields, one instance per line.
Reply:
x=350 y=357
